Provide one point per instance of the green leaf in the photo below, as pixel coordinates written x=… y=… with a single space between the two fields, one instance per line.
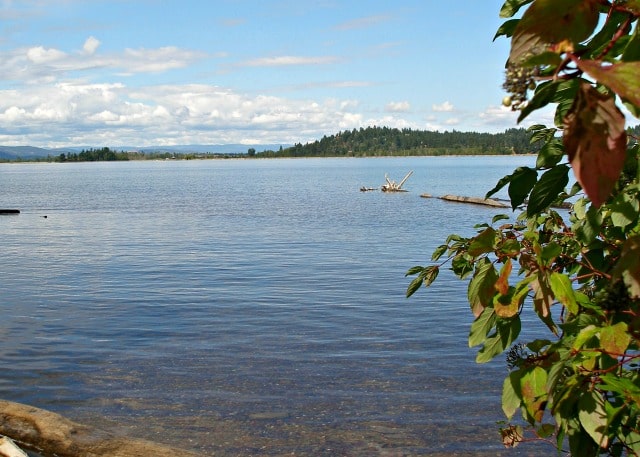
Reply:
x=523 y=180
x=499 y=217
x=414 y=286
x=414 y=270
x=461 y=265
x=481 y=327
x=534 y=393
x=632 y=51
x=628 y=266
x=481 y=287
x=439 y=251
x=500 y=184
x=543 y=95
x=589 y=228
x=556 y=373
x=507 y=330
x=624 y=387
x=624 y=211
x=563 y=291
x=564 y=97
x=511 y=247
x=550 y=154
x=511 y=7
x=506 y=29
x=483 y=243
x=593 y=417
x=511 y=393
x=615 y=339
x=584 y=336
x=547 y=189
x=546 y=430
x=550 y=252
x=429 y=275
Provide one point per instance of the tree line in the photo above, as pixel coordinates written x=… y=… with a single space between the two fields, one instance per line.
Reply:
x=385 y=141
x=93 y=155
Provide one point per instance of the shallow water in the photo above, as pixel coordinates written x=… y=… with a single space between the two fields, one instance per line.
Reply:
x=247 y=307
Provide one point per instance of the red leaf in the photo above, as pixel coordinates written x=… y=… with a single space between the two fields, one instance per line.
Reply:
x=596 y=142
x=502 y=284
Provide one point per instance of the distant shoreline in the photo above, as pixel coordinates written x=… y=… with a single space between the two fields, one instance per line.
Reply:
x=245 y=157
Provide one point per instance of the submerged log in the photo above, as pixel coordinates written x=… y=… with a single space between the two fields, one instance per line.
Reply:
x=51 y=434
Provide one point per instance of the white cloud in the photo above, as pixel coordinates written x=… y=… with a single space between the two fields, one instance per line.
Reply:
x=41 y=55
x=443 y=107
x=280 y=61
x=156 y=60
x=114 y=114
x=398 y=107
x=91 y=45
x=499 y=118
x=37 y=65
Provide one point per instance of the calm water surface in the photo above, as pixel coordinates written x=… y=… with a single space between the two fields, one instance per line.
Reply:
x=247 y=307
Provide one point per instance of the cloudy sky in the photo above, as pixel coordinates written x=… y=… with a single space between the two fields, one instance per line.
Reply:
x=166 y=72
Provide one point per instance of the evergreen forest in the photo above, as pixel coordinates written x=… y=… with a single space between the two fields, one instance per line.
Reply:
x=385 y=141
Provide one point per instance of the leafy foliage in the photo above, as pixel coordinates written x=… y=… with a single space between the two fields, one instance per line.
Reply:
x=578 y=385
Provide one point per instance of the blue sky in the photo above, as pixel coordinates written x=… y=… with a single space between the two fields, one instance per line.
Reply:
x=142 y=73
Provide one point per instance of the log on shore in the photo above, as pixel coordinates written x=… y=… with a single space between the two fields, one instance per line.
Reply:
x=51 y=434
x=472 y=200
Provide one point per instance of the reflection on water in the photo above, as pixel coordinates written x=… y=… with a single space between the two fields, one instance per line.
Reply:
x=247 y=307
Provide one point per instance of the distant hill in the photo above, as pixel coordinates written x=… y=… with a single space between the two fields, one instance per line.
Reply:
x=23 y=152
x=211 y=148
x=31 y=152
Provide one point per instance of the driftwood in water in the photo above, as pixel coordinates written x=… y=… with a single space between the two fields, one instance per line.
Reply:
x=9 y=211
x=472 y=200
x=392 y=186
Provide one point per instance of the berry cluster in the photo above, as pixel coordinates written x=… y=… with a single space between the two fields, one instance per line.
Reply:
x=518 y=355
x=517 y=82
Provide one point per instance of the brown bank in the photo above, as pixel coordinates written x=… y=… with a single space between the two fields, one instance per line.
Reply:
x=51 y=434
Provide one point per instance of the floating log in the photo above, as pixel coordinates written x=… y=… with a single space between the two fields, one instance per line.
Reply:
x=474 y=200
x=9 y=211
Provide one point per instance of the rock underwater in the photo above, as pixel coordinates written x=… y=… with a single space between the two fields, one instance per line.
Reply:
x=51 y=434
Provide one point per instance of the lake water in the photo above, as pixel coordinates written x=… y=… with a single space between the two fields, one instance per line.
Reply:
x=248 y=307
